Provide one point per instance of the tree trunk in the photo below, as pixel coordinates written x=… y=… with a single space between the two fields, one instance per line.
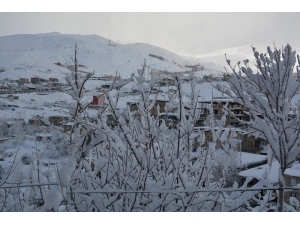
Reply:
x=280 y=200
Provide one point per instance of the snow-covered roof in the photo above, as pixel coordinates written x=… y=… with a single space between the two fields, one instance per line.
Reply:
x=68 y=124
x=249 y=159
x=215 y=99
x=293 y=171
x=257 y=172
x=244 y=158
x=43 y=135
x=227 y=129
x=4 y=139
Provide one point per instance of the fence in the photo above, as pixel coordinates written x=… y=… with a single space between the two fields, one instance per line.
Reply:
x=154 y=191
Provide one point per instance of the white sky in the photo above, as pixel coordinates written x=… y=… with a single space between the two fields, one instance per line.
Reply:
x=183 y=33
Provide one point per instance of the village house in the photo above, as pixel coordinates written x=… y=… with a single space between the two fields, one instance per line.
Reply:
x=11 y=122
x=160 y=102
x=42 y=136
x=111 y=122
x=156 y=90
x=105 y=86
x=3 y=89
x=98 y=101
x=185 y=78
x=52 y=79
x=197 y=67
x=56 y=120
x=38 y=121
x=133 y=107
x=31 y=88
x=8 y=87
x=22 y=89
x=67 y=126
x=292 y=179
x=106 y=77
x=35 y=80
x=23 y=81
x=238 y=110
x=165 y=80
x=55 y=85
x=2 y=140
x=66 y=118
x=129 y=91
x=248 y=143
x=209 y=78
x=251 y=144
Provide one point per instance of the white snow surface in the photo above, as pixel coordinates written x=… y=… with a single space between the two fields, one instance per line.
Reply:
x=234 y=54
x=28 y=55
x=43 y=105
x=293 y=171
x=257 y=172
x=244 y=158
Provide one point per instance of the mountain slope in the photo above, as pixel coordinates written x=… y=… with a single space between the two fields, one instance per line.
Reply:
x=234 y=55
x=27 y=55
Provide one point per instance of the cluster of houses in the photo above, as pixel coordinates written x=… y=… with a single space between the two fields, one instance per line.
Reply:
x=40 y=122
x=250 y=146
x=25 y=85
x=249 y=143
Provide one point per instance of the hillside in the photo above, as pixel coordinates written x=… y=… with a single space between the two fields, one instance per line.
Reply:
x=27 y=55
x=234 y=55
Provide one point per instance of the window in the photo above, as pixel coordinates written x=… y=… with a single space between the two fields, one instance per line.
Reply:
x=257 y=144
x=250 y=144
x=293 y=181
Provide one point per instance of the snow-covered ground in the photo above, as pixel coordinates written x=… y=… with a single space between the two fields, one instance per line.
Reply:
x=56 y=103
x=32 y=104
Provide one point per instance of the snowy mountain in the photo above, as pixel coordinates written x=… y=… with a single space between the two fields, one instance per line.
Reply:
x=47 y=55
x=234 y=55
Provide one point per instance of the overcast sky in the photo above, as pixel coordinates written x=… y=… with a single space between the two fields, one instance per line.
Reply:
x=182 y=33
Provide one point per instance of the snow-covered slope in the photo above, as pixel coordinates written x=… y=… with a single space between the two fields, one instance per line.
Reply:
x=28 y=55
x=234 y=55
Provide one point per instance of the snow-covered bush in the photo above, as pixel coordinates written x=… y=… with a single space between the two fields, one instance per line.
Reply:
x=11 y=143
x=57 y=146
x=268 y=94
x=26 y=159
x=141 y=165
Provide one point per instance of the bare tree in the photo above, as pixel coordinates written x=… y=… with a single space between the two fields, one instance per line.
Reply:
x=268 y=95
x=140 y=165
